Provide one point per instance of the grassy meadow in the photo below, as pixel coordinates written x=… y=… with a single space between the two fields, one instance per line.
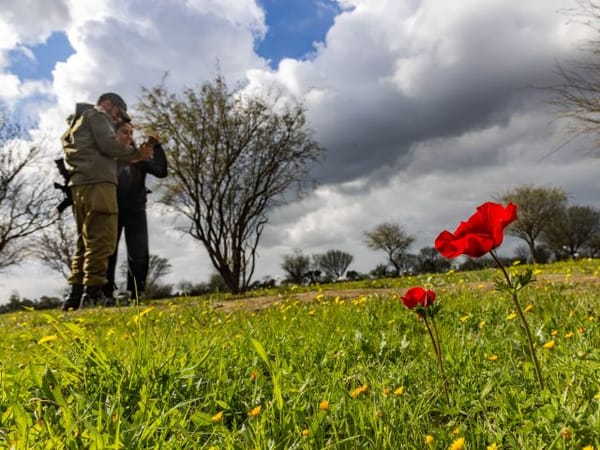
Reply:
x=342 y=366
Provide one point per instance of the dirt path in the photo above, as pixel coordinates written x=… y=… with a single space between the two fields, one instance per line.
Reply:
x=259 y=303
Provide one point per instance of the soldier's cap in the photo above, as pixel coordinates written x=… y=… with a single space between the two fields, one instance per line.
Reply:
x=118 y=101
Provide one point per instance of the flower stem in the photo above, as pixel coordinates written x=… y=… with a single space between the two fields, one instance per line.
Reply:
x=435 y=340
x=538 y=371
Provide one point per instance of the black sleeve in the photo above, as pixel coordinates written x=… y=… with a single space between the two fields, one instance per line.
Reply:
x=157 y=166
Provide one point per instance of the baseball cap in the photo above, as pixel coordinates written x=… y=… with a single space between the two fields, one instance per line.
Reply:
x=118 y=101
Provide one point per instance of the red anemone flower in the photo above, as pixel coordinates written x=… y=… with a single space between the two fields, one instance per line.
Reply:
x=418 y=296
x=481 y=233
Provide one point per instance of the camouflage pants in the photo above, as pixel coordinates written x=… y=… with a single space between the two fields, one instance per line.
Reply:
x=95 y=211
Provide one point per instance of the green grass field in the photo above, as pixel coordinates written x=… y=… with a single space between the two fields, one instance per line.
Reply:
x=321 y=370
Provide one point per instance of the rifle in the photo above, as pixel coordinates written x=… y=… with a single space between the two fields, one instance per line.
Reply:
x=66 y=190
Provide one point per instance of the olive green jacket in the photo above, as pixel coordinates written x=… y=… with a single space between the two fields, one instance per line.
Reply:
x=91 y=148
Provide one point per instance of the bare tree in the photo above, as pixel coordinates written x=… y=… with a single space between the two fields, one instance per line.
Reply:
x=391 y=238
x=232 y=159
x=571 y=229
x=431 y=261
x=577 y=93
x=536 y=206
x=296 y=266
x=54 y=247
x=334 y=263
x=158 y=267
x=25 y=200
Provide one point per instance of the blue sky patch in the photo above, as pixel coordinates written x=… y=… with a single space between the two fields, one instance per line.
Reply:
x=45 y=56
x=293 y=27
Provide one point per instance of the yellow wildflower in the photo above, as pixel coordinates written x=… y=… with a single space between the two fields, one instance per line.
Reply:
x=217 y=418
x=324 y=405
x=569 y=335
x=493 y=358
x=554 y=333
x=549 y=345
x=581 y=330
x=429 y=440
x=511 y=316
x=528 y=308
x=456 y=431
x=398 y=392
x=458 y=444
x=45 y=339
x=386 y=392
x=588 y=447
x=255 y=412
x=359 y=390
x=493 y=446
x=305 y=433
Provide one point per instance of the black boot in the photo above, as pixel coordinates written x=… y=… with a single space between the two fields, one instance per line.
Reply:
x=92 y=296
x=109 y=296
x=73 y=300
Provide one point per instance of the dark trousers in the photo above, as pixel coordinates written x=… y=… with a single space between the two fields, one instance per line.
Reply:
x=135 y=225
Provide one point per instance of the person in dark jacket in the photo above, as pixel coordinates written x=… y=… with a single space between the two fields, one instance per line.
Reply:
x=91 y=152
x=131 y=199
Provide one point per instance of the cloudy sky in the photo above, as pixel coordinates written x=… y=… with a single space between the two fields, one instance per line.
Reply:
x=427 y=108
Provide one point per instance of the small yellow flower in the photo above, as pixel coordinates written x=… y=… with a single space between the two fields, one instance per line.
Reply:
x=465 y=318
x=482 y=324
x=324 y=405
x=528 y=308
x=569 y=335
x=399 y=391
x=458 y=444
x=305 y=433
x=511 y=316
x=588 y=447
x=217 y=418
x=359 y=390
x=492 y=447
x=549 y=345
x=581 y=330
x=554 y=333
x=45 y=339
x=493 y=358
x=254 y=412
x=429 y=440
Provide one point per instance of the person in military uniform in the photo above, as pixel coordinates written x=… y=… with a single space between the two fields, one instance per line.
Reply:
x=91 y=152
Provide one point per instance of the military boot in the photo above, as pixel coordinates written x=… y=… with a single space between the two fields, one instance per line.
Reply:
x=92 y=296
x=73 y=300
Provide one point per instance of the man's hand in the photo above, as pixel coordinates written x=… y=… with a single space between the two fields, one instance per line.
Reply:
x=147 y=151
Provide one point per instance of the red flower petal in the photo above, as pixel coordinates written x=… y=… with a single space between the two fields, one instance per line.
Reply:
x=481 y=233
